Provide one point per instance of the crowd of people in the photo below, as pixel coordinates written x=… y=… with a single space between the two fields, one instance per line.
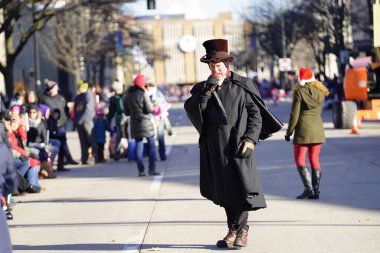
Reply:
x=33 y=128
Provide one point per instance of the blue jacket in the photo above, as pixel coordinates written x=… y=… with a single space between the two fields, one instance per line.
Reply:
x=99 y=130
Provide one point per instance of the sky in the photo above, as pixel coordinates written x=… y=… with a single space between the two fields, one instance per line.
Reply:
x=193 y=9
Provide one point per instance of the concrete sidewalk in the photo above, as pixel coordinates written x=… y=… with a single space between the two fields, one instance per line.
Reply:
x=107 y=208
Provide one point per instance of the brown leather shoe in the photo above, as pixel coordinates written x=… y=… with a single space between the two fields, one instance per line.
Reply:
x=228 y=241
x=242 y=236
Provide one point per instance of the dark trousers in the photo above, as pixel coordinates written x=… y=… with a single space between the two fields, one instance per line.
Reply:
x=100 y=151
x=85 y=138
x=236 y=216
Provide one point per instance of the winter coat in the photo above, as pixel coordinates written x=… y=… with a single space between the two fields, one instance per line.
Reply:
x=99 y=130
x=58 y=102
x=224 y=178
x=8 y=178
x=138 y=106
x=305 y=118
x=84 y=106
x=19 y=149
x=37 y=132
x=54 y=131
x=116 y=108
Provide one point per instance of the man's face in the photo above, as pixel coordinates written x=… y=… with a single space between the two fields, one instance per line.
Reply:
x=218 y=69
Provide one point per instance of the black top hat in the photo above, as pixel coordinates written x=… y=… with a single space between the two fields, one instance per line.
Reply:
x=216 y=50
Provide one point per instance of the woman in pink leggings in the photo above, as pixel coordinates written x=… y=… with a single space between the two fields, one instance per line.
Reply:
x=306 y=123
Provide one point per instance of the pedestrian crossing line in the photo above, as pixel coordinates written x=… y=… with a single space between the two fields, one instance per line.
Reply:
x=134 y=242
x=168 y=150
x=156 y=183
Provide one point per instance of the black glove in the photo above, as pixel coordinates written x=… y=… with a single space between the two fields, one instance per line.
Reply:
x=244 y=149
x=287 y=137
x=210 y=84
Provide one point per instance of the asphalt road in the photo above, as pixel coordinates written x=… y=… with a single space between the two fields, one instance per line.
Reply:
x=107 y=208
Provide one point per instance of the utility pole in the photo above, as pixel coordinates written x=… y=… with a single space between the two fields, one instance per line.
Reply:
x=283 y=42
x=36 y=72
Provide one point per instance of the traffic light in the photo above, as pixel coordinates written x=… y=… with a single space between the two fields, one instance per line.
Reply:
x=151 y=4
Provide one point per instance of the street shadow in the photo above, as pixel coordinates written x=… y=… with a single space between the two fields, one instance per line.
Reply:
x=171 y=223
x=113 y=247
x=109 y=200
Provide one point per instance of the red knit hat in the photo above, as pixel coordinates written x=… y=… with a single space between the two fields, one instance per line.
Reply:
x=305 y=76
x=139 y=80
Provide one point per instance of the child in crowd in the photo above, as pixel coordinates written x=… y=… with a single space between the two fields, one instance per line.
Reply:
x=101 y=125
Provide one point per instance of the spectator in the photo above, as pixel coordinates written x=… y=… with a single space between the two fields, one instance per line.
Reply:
x=160 y=113
x=116 y=114
x=27 y=165
x=56 y=101
x=101 y=125
x=31 y=98
x=138 y=106
x=38 y=139
x=84 y=106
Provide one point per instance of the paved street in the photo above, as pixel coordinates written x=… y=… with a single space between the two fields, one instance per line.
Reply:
x=107 y=208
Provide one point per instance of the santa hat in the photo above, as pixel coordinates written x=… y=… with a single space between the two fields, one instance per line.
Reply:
x=305 y=76
x=139 y=80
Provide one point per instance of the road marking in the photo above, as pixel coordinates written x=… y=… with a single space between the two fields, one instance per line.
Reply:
x=134 y=242
x=168 y=150
x=156 y=183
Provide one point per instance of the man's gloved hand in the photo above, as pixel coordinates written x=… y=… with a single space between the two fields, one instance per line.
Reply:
x=245 y=149
x=287 y=137
x=210 y=84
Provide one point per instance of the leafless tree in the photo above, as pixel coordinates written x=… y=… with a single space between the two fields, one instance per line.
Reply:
x=79 y=37
x=22 y=18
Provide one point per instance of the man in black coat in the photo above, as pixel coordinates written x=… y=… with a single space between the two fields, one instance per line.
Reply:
x=229 y=122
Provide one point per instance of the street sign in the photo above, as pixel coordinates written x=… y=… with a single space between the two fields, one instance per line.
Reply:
x=285 y=64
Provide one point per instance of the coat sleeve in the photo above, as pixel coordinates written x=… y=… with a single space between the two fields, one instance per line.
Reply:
x=112 y=109
x=7 y=172
x=89 y=108
x=295 y=113
x=126 y=108
x=148 y=106
x=254 y=120
x=195 y=105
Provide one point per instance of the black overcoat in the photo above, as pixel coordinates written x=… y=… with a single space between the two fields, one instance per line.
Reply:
x=222 y=122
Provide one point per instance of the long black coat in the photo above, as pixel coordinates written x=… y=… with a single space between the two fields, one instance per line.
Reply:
x=224 y=178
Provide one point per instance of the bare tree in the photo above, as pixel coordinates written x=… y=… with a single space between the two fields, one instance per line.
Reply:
x=78 y=37
x=17 y=32
x=323 y=24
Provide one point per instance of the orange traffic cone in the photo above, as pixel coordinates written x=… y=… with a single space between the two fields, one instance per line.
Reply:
x=355 y=128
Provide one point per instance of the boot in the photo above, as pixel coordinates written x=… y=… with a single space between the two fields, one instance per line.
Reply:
x=305 y=177
x=229 y=240
x=242 y=236
x=315 y=179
